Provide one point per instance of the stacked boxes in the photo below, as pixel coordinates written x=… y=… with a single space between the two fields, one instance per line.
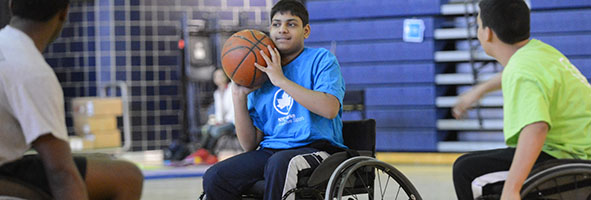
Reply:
x=95 y=120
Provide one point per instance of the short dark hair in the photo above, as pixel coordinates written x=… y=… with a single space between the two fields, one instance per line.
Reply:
x=296 y=8
x=37 y=10
x=509 y=19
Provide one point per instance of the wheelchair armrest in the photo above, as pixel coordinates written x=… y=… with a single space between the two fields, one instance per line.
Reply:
x=323 y=172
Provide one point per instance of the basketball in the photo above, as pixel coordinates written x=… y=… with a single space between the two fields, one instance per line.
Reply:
x=239 y=54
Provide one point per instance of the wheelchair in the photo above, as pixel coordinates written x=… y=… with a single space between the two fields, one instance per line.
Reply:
x=559 y=179
x=553 y=179
x=350 y=174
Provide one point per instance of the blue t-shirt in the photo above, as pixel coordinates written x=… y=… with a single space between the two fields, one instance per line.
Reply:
x=287 y=124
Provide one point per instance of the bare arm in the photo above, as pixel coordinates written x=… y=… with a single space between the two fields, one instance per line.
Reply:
x=467 y=99
x=320 y=103
x=63 y=176
x=323 y=104
x=248 y=136
x=530 y=143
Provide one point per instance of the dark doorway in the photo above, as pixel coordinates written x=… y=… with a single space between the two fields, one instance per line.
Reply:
x=4 y=13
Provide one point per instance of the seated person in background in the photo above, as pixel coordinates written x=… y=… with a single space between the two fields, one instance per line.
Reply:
x=32 y=115
x=222 y=122
x=547 y=104
x=293 y=116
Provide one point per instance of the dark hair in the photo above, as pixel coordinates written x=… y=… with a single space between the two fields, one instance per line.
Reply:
x=296 y=8
x=37 y=10
x=509 y=19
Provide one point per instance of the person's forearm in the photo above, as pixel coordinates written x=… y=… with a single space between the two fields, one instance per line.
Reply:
x=320 y=103
x=530 y=143
x=65 y=183
x=245 y=130
x=63 y=176
x=493 y=84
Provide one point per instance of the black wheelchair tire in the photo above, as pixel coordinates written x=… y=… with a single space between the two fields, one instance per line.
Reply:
x=532 y=183
x=404 y=182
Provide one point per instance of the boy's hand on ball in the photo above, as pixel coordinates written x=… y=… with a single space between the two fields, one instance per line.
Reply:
x=273 y=68
x=242 y=90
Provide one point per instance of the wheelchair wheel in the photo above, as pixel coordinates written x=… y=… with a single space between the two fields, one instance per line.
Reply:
x=370 y=179
x=567 y=181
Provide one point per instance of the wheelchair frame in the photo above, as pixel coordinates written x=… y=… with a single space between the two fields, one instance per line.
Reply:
x=535 y=185
x=345 y=169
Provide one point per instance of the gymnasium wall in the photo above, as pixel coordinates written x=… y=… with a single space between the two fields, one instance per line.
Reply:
x=135 y=41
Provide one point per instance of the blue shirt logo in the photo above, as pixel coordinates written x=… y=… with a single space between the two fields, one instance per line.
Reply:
x=282 y=102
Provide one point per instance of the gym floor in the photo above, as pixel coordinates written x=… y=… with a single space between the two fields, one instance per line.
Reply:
x=431 y=173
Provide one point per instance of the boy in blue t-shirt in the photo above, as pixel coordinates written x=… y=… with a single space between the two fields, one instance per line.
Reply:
x=289 y=119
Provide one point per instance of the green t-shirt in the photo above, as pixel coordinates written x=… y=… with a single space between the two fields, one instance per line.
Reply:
x=541 y=85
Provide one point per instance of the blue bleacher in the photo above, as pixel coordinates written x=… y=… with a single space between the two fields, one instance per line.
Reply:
x=570 y=45
x=401 y=96
x=389 y=73
x=346 y=9
x=382 y=51
x=584 y=66
x=553 y=21
x=407 y=140
x=554 y=4
x=403 y=117
x=371 y=29
x=398 y=77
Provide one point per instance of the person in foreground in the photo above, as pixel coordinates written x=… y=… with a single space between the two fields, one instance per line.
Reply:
x=547 y=104
x=293 y=118
x=32 y=115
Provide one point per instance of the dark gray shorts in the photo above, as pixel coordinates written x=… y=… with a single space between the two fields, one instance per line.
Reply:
x=29 y=169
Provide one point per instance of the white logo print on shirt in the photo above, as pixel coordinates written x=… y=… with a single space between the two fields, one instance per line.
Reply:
x=282 y=102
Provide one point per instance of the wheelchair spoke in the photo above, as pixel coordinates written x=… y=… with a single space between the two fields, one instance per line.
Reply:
x=380 y=183
x=351 y=192
x=558 y=187
x=360 y=182
x=361 y=178
x=576 y=186
x=384 y=191
x=398 y=192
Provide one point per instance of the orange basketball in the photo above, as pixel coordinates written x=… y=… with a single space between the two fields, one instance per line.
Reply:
x=239 y=54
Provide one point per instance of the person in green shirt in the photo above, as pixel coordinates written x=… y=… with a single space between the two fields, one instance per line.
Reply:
x=547 y=104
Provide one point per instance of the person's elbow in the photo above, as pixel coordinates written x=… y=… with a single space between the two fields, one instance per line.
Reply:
x=332 y=111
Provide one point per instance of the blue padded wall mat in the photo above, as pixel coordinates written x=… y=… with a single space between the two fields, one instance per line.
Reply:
x=554 y=4
x=372 y=29
x=327 y=10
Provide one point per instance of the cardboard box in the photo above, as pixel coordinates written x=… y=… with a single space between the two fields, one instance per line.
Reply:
x=95 y=106
x=78 y=143
x=104 y=139
x=84 y=125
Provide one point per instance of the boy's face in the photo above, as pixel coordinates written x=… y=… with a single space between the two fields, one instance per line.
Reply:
x=288 y=33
